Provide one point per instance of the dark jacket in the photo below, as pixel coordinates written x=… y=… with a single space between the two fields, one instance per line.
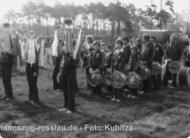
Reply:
x=126 y=56
x=147 y=52
x=118 y=61
x=159 y=53
x=96 y=59
x=186 y=56
x=173 y=52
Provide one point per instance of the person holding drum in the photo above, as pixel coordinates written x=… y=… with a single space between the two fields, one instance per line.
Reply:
x=85 y=54
x=118 y=64
x=186 y=55
x=147 y=56
x=157 y=61
x=173 y=56
x=96 y=63
x=127 y=51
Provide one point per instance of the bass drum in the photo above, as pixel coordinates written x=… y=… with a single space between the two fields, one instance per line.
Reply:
x=143 y=71
x=119 y=79
x=156 y=68
x=94 y=78
x=188 y=76
x=174 y=66
x=182 y=77
x=134 y=80
x=107 y=78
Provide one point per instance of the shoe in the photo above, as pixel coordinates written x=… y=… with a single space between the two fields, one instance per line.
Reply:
x=62 y=109
x=68 y=112
x=36 y=104
x=117 y=100
x=113 y=99
x=7 y=99
x=171 y=87
x=141 y=92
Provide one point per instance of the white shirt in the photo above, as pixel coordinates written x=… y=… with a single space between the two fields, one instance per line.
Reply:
x=31 y=51
x=55 y=44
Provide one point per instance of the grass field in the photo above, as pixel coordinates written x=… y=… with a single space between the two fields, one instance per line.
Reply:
x=165 y=114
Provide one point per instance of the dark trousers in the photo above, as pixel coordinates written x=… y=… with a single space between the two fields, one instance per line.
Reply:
x=156 y=81
x=32 y=77
x=168 y=76
x=117 y=93
x=147 y=85
x=68 y=85
x=187 y=63
x=55 y=72
x=6 y=70
x=97 y=90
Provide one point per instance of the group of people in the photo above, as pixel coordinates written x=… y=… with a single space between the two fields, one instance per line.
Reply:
x=136 y=54
x=30 y=48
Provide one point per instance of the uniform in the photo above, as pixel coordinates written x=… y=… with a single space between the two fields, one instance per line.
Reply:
x=68 y=82
x=7 y=52
x=147 y=55
x=118 y=64
x=96 y=63
x=32 y=66
x=173 y=52
x=186 y=56
x=159 y=53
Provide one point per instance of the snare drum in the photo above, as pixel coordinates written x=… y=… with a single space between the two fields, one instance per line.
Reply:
x=182 y=76
x=174 y=66
x=156 y=68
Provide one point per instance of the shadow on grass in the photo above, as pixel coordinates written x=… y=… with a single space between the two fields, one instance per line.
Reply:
x=30 y=109
x=7 y=134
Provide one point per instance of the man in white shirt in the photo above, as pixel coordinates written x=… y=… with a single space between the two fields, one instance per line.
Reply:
x=32 y=62
x=7 y=52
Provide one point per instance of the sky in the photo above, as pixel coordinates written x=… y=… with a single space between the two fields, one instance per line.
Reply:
x=180 y=6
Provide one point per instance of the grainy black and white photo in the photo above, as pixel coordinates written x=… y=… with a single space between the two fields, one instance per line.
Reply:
x=94 y=69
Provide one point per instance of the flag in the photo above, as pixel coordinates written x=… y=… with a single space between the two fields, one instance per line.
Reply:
x=77 y=44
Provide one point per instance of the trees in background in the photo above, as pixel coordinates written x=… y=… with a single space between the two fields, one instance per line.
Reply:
x=116 y=18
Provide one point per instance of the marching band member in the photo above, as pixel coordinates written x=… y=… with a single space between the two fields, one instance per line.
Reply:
x=32 y=51
x=134 y=61
x=173 y=52
x=107 y=65
x=127 y=51
x=85 y=55
x=7 y=52
x=186 y=55
x=159 y=53
x=118 y=64
x=68 y=82
x=96 y=63
x=147 y=55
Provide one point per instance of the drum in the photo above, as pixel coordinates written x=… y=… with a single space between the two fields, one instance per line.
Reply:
x=182 y=78
x=94 y=78
x=119 y=79
x=174 y=66
x=108 y=78
x=133 y=80
x=156 y=68
x=188 y=76
x=143 y=71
